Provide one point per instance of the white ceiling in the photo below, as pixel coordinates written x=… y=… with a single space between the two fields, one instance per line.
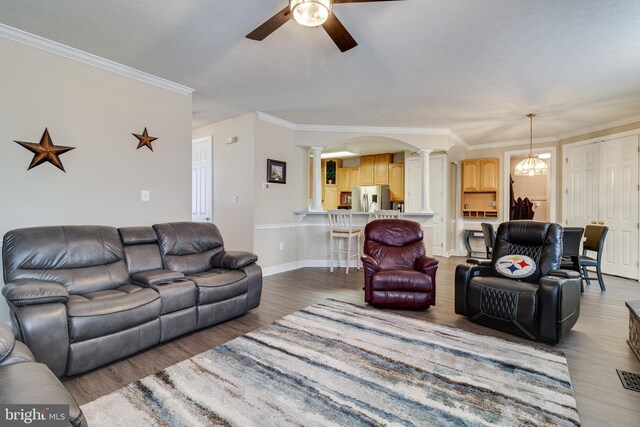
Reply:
x=475 y=67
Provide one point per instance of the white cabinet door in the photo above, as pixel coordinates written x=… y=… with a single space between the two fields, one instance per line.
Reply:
x=201 y=163
x=602 y=188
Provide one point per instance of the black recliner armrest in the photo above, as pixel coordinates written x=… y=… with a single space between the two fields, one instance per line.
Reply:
x=559 y=304
x=233 y=260
x=464 y=273
x=31 y=292
x=480 y=262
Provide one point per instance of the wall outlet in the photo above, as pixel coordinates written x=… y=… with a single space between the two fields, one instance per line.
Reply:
x=266 y=186
x=145 y=196
x=282 y=246
x=233 y=200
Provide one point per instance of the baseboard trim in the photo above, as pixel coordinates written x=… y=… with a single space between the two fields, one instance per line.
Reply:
x=307 y=263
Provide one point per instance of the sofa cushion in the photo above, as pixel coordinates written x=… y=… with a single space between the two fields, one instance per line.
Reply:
x=7 y=341
x=176 y=295
x=188 y=246
x=83 y=258
x=219 y=284
x=401 y=280
x=104 y=312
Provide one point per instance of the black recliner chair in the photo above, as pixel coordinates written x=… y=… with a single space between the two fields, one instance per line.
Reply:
x=519 y=290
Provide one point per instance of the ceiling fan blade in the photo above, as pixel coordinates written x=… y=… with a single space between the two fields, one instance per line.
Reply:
x=359 y=1
x=339 y=34
x=270 y=25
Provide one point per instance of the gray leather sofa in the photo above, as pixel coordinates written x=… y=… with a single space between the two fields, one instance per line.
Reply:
x=84 y=296
x=23 y=381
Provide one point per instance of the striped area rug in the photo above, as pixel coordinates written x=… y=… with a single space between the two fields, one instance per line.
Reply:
x=338 y=364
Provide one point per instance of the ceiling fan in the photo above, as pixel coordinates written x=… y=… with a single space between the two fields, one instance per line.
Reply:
x=311 y=13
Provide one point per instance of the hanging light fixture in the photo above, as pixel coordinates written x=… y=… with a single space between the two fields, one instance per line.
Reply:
x=310 y=13
x=532 y=165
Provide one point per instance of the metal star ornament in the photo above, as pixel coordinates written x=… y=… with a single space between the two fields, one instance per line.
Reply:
x=45 y=151
x=145 y=139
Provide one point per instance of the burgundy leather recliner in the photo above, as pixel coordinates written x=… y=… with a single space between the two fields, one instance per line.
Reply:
x=397 y=273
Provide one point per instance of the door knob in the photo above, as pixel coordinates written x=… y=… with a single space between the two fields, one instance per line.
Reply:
x=601 y=222
x=593 y=222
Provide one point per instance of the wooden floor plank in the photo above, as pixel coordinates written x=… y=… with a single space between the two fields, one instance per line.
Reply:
x=595 y=347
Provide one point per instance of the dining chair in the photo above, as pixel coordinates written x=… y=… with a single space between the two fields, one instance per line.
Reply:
x=571 y=240
x=387 y=214
x=594 y=241
x=489 y=238
x=341 y=227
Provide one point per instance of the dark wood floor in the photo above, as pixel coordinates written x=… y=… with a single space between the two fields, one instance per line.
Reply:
x=595 y=347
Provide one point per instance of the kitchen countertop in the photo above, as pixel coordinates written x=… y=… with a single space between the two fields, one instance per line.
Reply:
x=404 y=214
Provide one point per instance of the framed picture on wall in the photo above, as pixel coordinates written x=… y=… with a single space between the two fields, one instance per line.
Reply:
x=276 y=171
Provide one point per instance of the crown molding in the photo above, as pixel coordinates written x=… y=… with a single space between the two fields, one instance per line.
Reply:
x=89 y=59
x=506 y=144
x=361 y=129
x=275 y=120
x=603 y=126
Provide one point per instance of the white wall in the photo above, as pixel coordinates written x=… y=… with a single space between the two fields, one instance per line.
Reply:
x=96 y=111
x=233 y=176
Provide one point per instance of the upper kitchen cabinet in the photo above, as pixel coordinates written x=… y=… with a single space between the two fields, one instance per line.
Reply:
x=396 y=182
x=480 y=188
x=366 y=170
x=381 y=164
x=480 y=175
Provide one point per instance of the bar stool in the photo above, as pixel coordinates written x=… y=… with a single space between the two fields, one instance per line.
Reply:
x=341 y=227
x=387 y=214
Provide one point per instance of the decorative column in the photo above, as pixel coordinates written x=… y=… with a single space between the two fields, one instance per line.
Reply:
x=316 y=188
x=425 y=206
x=459 y=223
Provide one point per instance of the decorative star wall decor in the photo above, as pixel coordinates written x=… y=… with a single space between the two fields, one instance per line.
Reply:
x=45 y=151
x=145 y=139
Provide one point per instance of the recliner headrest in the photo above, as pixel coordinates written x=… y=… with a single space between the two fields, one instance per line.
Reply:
x=137 y=235
x=393 y=232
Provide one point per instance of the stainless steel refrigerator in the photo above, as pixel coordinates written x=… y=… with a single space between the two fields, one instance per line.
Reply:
x=370 y=198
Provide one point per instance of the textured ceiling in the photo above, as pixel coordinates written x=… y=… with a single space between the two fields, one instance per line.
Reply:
x=475 y=67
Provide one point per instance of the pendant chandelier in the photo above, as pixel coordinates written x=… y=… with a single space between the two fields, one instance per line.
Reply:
x=532 y=165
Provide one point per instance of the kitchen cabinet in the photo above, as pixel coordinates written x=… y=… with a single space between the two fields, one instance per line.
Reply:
x=343 y=179
x=330 y=197
x=354 y=178
x=480 y=188
x=381 y=168
x=366 y=170
x=396 y=182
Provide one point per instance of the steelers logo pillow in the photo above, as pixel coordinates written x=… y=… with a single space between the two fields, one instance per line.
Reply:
x=515 y=266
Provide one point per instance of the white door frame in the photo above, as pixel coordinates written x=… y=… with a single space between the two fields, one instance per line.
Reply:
x=552 y=179
x=207 y=139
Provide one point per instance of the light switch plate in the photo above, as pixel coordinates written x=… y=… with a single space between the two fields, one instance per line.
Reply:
x=145 y=196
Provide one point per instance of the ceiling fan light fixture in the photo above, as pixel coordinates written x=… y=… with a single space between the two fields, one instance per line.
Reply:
x=532 y=165
x=310 y=13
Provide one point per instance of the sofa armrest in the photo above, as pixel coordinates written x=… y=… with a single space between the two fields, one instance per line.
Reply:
x=21 y=293
x=559 y=304
x=565 y=274
x=233 y=260
x=480 y=262
x=464 y=273
x=156 y=277
x=7 y=341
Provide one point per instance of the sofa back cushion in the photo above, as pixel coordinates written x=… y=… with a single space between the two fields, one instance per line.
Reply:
x=141 y=249
x=394 y=243
x=541 y=242
x=188 y=246
x=83 y=258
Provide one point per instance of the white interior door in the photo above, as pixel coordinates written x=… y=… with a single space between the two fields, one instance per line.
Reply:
x=201 y=164
x=602 y=188
x=618 y=202
x=437 y=170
